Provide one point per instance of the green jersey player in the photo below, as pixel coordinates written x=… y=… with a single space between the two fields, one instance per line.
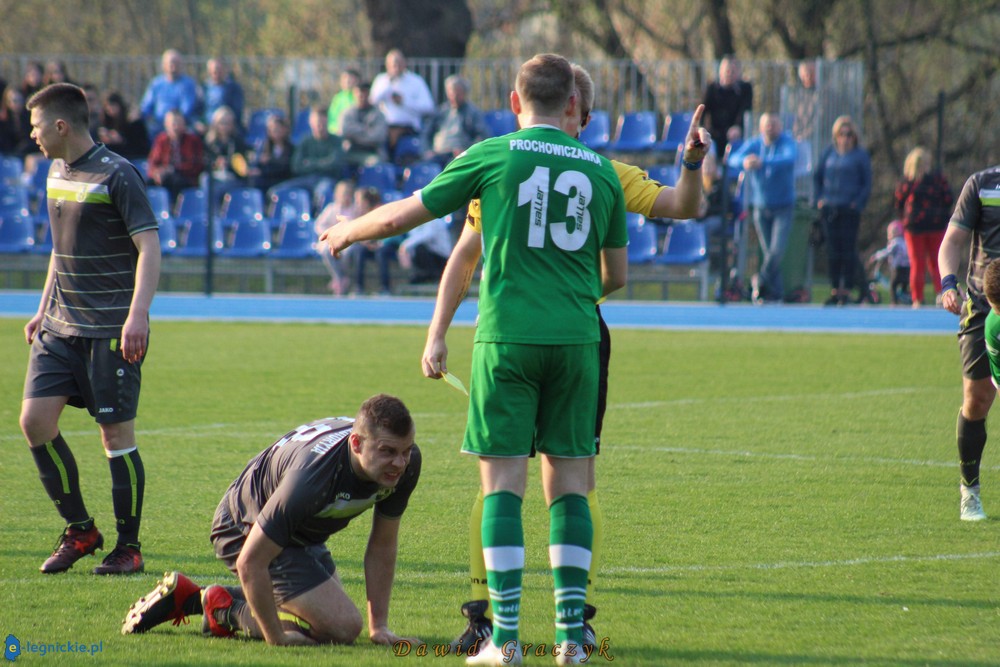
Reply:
x=553 y=243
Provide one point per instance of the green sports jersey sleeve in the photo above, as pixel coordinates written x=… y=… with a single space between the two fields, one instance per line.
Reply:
x=549 y=205
x=993 y=345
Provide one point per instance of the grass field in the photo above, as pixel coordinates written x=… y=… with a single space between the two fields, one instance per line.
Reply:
x=769 y=499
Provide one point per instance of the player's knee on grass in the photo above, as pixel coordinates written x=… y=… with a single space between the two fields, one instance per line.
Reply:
x=342 y=628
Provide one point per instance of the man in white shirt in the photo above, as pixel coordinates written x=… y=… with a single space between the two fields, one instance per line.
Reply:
x=402 y=96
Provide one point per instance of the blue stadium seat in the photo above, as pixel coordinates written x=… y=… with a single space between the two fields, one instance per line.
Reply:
x=251 y=238
x=142 y=165
x=17 y=233
x=290 y=204
x=191 y=204
x=408 y=149
x=381 y=176
x=419 y=174
x=43 y=232
x=675 y=130
x=257 y=127
x=11 y=168
x=300 y=128
x=642 y=248
x=38 y=181
x=243 y=204
x=296 y=240
x=636 y=132
x=159 y=200
x=664 y=174
x=14 y=199
x=597 y=134
x=195 y=237
x=322 y=194
x=686 y=245
x=500 y=121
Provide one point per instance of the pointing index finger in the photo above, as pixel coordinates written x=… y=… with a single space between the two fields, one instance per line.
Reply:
x=696 y=118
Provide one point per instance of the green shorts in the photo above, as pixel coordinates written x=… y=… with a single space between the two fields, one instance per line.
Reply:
x=519 y=394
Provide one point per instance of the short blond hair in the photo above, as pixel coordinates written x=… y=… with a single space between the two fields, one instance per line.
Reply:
x=585 y=87
x=845 y=121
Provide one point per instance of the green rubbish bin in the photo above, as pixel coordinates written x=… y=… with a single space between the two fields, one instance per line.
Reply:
x=796 y=265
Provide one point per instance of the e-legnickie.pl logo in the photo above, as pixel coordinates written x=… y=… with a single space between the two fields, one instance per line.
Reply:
x=12 y=648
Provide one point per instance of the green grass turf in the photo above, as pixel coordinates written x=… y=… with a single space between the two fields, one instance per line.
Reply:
x=770 y=499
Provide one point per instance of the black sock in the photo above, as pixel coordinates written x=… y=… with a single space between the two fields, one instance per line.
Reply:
x=971 y=443
x=192 y=606
x=128 y=481
x=61 y=479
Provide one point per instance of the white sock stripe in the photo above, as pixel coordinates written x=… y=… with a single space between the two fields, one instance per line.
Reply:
x=504 y=559
x=568 y=626
x=565 y=598
x=570 y=589
x=569 y=555
x=114 y=453
x=506 y=594
x=506 y=626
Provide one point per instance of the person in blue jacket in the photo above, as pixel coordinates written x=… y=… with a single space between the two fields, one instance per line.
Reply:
x=768 y=164
x=843 y=182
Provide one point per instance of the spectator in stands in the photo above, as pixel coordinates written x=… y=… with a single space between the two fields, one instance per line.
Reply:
x=319 y=155
x=55 y=72
x=457 y=124
x=364 y=129
x=93 y=108
x=344 y=99
x=365 y=200
x=226 y=153
x=177 y=157
x=172 y=90
x=726 y=101
x=221 y=90
x=341 y=208
x=801 y=102
x=768 y=162
x=403 y=97
x=31 y=82
x=15 y=124
x=842 y=182
x=121 y=133
x=923 y=202
x=425 y=251
x=274 y=155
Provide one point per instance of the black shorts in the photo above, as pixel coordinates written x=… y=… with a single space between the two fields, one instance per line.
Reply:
x=90 y=371
x=971 y=338
x=295 y=571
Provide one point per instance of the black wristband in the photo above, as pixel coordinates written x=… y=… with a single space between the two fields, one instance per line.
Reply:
x=949 y=282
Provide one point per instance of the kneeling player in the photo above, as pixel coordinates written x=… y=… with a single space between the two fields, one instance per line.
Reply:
x=273 y=521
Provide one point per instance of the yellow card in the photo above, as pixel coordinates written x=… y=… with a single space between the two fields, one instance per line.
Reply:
x=455 y=382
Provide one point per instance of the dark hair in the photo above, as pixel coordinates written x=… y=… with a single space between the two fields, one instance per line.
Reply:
x=384 y=413
x=364 y=85
x=65 y=101
x=991 y=284
x=371 y=196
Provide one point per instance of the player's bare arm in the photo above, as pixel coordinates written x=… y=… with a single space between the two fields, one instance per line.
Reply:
x=955 y=243
x=135 y=331
x=35 y=323
x=455 y=281
x=614 y=269
x=389 y=220
x=682 y=201
x=380 y=569
x=251 y=566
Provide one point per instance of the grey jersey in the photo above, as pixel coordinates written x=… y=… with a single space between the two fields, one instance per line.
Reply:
x=302 y=489
x=96 y=204
x=978 y=211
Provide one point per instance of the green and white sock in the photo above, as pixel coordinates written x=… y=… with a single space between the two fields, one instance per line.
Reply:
x=503 y=551
x=571 y=535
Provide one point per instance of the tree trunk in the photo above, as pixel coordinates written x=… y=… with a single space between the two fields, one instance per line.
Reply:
x=424 y=29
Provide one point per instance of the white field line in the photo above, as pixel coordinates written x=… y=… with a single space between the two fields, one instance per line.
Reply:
x=623 y=572
x=714 y=400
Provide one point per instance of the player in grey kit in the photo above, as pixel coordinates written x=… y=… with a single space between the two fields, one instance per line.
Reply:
x=272 y=524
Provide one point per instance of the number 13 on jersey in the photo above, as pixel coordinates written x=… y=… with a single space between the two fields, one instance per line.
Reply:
x=569 y=235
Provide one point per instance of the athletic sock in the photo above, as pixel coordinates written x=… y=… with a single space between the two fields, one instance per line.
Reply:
x=503 y=552
x=128 y=481
x=571 y=534
x=240 y=618
x=61 y=479
x=597 y=519
x=971 y=443
x=477 y=565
